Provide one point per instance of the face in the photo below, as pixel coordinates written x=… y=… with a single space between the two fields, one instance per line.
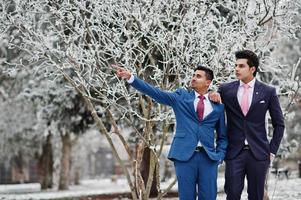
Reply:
x=199 y=81
x=243 y=71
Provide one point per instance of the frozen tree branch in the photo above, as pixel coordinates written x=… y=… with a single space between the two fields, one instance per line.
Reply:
x=159 y=41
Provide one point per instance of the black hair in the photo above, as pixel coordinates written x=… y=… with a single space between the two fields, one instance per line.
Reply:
x=208 y=72
x=253 y=60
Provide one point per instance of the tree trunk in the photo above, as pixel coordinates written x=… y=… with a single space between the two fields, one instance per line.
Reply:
x=77 y=176
x=299 y=167
x=145 y=167
x=45 y=164
x=65 y=162
x=18 y=168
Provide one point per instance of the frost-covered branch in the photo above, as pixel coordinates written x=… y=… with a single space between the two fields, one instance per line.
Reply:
x=159 y=41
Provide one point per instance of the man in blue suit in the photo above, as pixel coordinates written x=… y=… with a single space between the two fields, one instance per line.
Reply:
x=196 y=149
x=249 y=152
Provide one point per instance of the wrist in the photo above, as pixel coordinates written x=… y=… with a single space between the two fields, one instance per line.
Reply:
x=131 y=79
x=128 y=76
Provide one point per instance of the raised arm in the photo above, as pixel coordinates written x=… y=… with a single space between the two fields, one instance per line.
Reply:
x=163 y=97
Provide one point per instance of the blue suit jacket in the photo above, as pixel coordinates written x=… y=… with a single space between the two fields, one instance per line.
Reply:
x=252 y=126
x=189 y=129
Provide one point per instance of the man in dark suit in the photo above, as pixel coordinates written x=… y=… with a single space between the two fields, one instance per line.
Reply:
x=249 y=152
x=195 y=150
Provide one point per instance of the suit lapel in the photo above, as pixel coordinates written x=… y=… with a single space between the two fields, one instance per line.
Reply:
x=213 y=110
x=232 y=95
x=257 y=93
x=191 y=104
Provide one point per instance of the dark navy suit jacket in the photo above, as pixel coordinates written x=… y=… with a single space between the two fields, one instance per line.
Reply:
x=189 y=129
x=252 y=126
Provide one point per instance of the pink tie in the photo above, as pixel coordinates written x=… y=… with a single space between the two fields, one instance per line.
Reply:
x=200 y=107
x=245 y=100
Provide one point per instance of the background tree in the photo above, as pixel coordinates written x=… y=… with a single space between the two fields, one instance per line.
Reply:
x=33 y=109
x=63 y=111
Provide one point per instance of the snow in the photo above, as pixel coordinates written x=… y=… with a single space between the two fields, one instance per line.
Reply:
x=20 y=188
x=87 y=187
x=284 y=189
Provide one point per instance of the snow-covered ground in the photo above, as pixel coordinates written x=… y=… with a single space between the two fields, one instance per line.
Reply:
x=278 y=189
x=87 y=187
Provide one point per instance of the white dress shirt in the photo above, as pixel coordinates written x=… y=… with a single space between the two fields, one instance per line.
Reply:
x=131 y=80
x=207 y=105
x=241 y=91
x=250 y=94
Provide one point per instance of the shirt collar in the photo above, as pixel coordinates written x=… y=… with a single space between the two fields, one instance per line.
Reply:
x=251 y=83
x=205 y=95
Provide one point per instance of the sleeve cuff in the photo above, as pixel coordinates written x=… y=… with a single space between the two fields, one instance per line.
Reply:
x=131 y=80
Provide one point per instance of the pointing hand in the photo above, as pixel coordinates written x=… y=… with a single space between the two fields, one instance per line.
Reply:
x=121 y=72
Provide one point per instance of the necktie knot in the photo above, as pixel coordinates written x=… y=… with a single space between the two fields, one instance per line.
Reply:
x=201 y=97
x=246 y=86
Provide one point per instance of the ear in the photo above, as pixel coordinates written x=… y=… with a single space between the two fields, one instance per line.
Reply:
x=253 y=69
x=208 y=82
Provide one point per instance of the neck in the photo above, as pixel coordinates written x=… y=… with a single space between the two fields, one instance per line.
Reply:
x=201 y=91
x=247 y=80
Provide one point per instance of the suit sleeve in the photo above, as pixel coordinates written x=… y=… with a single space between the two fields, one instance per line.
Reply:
x=222 y=140
x=163 y=97
x=277 y=122
x=220 y=91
